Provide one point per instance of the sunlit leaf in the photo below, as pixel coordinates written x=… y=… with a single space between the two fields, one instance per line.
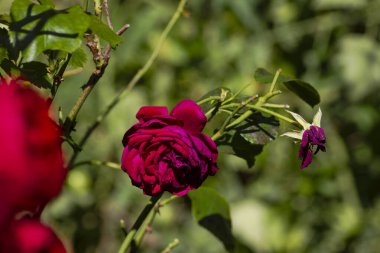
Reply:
x=78 y=58
x=36 y=28
x=103 y=31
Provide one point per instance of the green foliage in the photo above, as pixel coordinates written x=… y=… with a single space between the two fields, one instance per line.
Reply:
x=37 y=28
x=332 y=207
x=103 y=31
x=78 y=58
x=241 y=147
x=37 y=73
x=303 y=90
x=258 y=129
x=212 y=212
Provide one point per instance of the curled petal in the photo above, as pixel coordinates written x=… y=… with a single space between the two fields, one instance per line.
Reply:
x=300 y=120
x=306 y=159
x=294 y=134
x=191 y=114
x=317 y=118
x=305 y=139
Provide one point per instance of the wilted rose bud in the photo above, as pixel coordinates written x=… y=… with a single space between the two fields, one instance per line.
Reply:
x=312 y=138
x=168 y=152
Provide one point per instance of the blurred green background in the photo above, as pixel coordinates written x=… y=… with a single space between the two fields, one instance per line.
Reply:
x=332 y=206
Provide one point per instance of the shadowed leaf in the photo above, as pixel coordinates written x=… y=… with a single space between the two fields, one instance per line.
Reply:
x=258 y=129
x=212 y=212
x=36 y=28
x=304 y=91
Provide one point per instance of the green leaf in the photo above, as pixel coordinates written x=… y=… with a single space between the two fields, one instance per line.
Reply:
x=212 y=212
x=78 y=58
x=258 y=129
x=37 y=28
x=4 y=21
x=3 y=53
x=37 y=74
x=304 y=91
x=10 y=68
x=104 y=32
x=47 y=2
x=246 y=150
x=240 y=147
x=5 y=44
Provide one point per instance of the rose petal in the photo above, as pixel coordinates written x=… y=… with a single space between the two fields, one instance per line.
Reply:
x=191 y=114
x=147 y=112
x=306 y=160
x=304 y=144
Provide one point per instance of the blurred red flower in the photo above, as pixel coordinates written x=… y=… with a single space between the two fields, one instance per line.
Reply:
x=30 y=236
x=31 y=163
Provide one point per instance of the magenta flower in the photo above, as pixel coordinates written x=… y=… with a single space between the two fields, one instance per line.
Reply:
x=168 y=152
x=312 y=138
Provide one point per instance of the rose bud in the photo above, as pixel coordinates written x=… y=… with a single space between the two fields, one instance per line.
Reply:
x=31 y=163
x=168 y=152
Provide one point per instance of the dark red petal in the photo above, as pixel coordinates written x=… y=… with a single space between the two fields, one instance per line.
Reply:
x=191 y=114
x=147 y=112
x=306 y=160
x=304 y=145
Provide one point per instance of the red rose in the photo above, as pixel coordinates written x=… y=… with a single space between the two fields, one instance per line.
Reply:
x=168 y=152
x=30 y=236
x=31 y=163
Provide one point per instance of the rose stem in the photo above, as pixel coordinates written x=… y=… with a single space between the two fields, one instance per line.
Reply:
x=172 y=245
x=111 y=165
x=138 y=224
x=121 y=95
x=259 y=106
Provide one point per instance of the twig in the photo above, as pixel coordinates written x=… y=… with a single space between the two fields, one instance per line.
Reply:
x=134 y=80
x=69 y=123
x=139 y=222
x=107 y=12
x=122 y=29
x=240 y=106
x=72 y=72
x=111 y=165
x=171 y=246
x=107 y=51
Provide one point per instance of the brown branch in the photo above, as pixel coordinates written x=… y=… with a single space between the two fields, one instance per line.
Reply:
x=107 y=51
x=108 y=17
